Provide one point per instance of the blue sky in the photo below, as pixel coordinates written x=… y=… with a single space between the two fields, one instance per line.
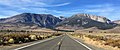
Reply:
x=107 y=8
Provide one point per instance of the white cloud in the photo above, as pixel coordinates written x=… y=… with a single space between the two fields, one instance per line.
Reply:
x=26 y=0
x=101 y=10
x=8 y=13
x=99 y=5
x=63 y=4
x=108 y=10
x=26 y=3
x=32 y=6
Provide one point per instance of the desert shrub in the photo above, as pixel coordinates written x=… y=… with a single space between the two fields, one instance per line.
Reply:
x=39 y=37
x=113 y=43
x=90 y=31
x=108 y=39
x=1 y=41
x=22 y=37
x=33 y=37
x=11 y=40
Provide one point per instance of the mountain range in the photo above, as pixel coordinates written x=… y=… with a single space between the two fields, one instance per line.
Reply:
x=76 y=21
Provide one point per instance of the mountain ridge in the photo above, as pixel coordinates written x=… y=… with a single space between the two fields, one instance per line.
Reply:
x=76 y=21
x=42 y=20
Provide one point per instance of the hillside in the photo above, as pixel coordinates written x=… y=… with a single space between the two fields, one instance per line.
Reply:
x=81 y=21
x=31 y=19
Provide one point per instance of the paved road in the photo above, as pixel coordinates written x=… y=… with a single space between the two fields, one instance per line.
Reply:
x=61 y=43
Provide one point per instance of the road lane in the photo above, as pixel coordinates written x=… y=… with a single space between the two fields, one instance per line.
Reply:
x=61 y=43
x=48 y=45
x=70 y=44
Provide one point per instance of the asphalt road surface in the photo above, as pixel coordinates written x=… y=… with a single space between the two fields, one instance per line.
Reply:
x=61 y=43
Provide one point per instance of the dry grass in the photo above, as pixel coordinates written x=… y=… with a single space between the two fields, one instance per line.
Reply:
x=106 y=41
x=7 y=38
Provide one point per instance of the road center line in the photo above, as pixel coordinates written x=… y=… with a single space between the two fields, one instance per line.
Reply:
x=58 y=43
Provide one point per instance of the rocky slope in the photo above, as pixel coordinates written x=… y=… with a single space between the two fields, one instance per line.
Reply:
x=93 y=17
x=80 y=21
x=41 y=20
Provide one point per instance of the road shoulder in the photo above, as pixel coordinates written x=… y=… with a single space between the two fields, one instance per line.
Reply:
x=89 y=45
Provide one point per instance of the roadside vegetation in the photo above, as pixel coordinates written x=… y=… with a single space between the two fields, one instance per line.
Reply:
x=8 y=37
x=106 y=41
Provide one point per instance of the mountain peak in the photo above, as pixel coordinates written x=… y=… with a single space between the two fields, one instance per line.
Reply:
x=93 y=17
x=79 y=21
x=43 y=20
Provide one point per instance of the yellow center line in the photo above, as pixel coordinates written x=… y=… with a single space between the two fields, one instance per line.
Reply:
x=58 y=43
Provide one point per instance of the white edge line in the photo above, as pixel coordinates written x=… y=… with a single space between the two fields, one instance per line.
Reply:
x=82 y=44
x=35 y=43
